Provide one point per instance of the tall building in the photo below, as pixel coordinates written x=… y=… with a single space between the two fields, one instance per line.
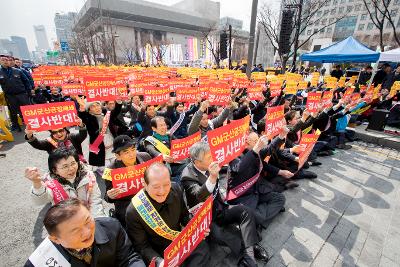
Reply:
x=23 y=51
x=265 y=52
x=41 y=37
x=133 y=28
x=9 y=47
x=357 y=23
x=64 y=24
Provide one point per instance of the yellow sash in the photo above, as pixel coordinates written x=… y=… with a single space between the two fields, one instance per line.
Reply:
x=107 y=174
x=307 y=130
x=163 y=149
x=151 y=217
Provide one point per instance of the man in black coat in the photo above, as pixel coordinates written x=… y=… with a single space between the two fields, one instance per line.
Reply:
x=83 y=241
x=381 y=74
x=200 y=179
x=337 y=72
x=126 y=155
x=16 y=88
x=167 y=200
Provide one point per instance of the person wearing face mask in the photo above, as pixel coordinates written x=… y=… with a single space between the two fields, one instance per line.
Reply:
x=59 y=138
x=166 y=201
x=126 y=155
x=77 y=239
x=67 y=178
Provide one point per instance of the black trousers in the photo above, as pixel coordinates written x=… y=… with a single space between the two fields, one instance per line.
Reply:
x=244 y=217
x=200 y=256
x=14 y=103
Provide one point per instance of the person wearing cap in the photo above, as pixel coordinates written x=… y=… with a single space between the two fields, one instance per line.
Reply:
x=126 y=155
x=16 y=88
x=59 y=138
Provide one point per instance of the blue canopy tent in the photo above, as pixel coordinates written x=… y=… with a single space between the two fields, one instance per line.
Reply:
x=348 y=50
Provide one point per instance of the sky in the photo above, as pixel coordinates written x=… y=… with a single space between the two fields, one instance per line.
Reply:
x=17 y=17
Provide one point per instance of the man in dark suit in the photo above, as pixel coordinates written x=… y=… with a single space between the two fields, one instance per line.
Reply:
x=78 y=239
x=200 y=179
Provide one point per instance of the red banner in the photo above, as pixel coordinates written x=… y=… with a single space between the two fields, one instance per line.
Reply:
x=44 y=117
x=190 y=237
x=73 y=89
x=274 y=121
x=219 y=93
x=275 y=88
x=52 y=80
x=307 y=141
x=327 y=98
x=104 y=88
x=137 y=88
x=130 y=179
x=180 y=147
x=156 y=95
x=187 y=94
x=313 y=99
x=349 y=91
x=228 y=142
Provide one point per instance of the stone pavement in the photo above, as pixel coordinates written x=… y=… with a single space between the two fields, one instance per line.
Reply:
x=349 y=216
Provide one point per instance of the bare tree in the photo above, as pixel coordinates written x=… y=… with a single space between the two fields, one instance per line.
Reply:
x=269 y=21
x=378 y=12
x=387 y=13
x=207 y=35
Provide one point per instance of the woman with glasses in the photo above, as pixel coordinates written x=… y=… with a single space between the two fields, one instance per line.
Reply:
x=59 y=138
x=67 y=178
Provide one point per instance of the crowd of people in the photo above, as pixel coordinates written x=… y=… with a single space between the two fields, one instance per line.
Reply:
x=85 y=233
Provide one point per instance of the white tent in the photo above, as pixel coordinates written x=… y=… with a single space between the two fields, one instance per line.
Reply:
x=391 y=55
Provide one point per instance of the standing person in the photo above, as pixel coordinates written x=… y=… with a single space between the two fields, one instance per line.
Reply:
x=381 y=74
x=126 y=155
x=337 y=72
x=167 y=204
x=67 y=178
x=16 y=88
x=18 y=65
x=365 y=75
x=78 y=239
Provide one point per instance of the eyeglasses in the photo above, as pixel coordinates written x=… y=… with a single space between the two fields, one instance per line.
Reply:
x=57 y=132
x=66 y=166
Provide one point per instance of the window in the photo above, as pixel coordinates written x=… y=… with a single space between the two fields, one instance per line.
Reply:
x=323 y=22
x=361 y=27
x=363 y=17
x=349 y=8
x=342 y=1
x=333 y=11
x=322 y=30
x=341 y=10
x=357 y=7
x=331 y=20
x=319 y=13
x=336 y=1
x=309 y=32
x=393 y=13
x=328 y=30
x=370 y=26
x=316 y=23
x=326 y=12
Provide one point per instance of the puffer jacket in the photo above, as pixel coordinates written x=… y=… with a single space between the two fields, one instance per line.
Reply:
x=79 y=189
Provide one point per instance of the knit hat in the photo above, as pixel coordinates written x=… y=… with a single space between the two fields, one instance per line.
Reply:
x=122 y=142
x=89 y=104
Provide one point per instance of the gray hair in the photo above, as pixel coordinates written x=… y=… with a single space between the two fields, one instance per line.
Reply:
x=197 y=150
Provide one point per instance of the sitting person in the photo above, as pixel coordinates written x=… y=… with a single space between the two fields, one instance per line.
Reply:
x=67 y=178
x=59 y=138
x=78 y=239
x=167 y=203
x=126 y=155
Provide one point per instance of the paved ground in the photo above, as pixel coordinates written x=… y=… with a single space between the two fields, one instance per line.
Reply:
x=349 y=216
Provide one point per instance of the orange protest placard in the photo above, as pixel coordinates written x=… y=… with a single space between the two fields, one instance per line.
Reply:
x=254 y=92
x=180 y=147
x=291 y=87
x=313 y=99
x=190 y=237
x=73 y=89
x=219 y=93
x=156 y=95
x=50 y=116
x=104 y=88
x=275 y=87
x=307 y=141
x=228 y=142
x=129 y=180
x=275 y=121
x=52 y=80
x=187 y=94
x=327 y=98
x=302 y=85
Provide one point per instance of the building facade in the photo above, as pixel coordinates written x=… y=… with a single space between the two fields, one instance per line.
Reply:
x=356 y=23
x=41 y=38
x=64 y=24
x=23 y=51
x=140 y=31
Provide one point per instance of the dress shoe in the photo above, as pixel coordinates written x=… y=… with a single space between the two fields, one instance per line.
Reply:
x=291 y=185
x=323 y=154
x=260 y=253
x=283 y=209
x=246 y=261
x=307 y=175
x=315 y=163
x=343 y=146
x=306 y=165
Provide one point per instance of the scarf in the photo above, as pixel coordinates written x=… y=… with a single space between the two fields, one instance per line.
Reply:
x=83 y=255
x=162 y=138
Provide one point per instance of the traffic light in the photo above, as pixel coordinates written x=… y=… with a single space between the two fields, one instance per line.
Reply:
x=223 y=45
x=286 y=30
